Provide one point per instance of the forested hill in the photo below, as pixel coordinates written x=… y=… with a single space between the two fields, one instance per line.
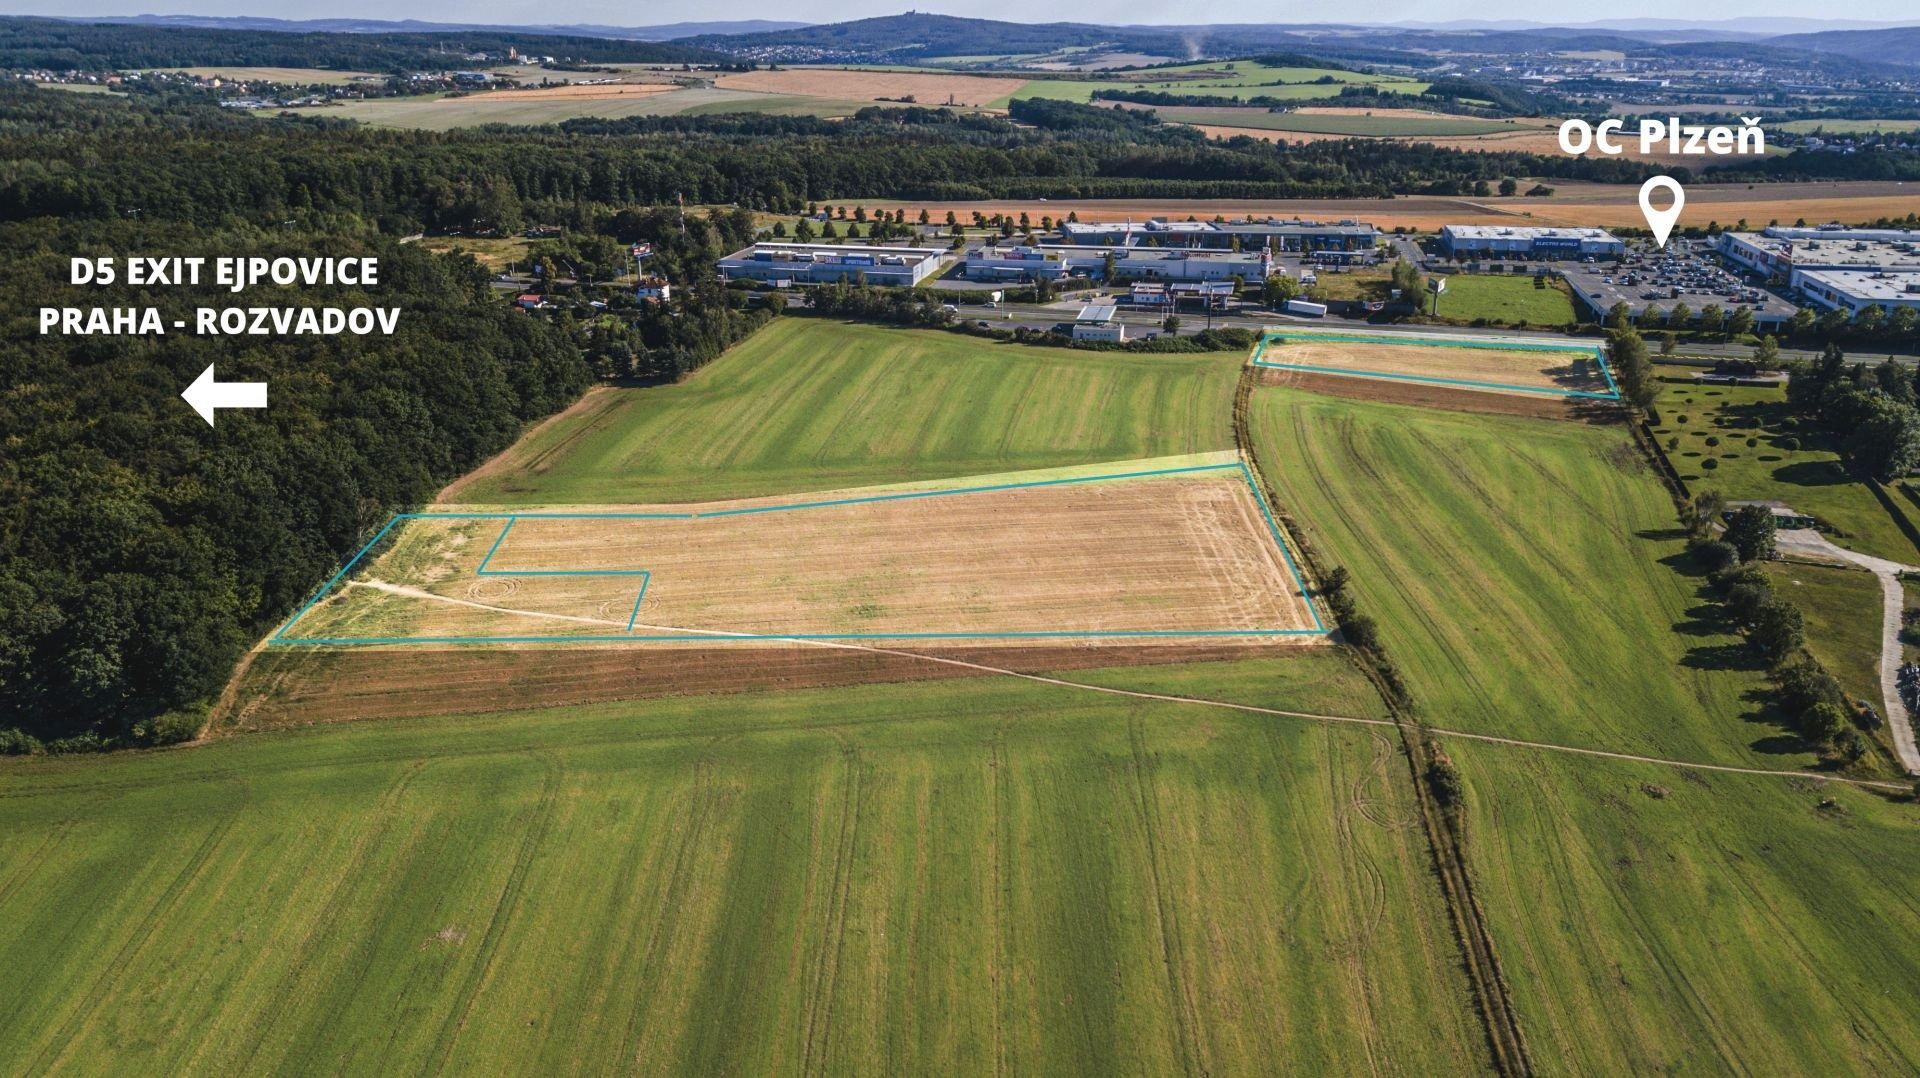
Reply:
x=56 y=45
x=920 y=34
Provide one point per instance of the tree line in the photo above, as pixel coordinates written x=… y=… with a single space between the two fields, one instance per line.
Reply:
x=100 y=155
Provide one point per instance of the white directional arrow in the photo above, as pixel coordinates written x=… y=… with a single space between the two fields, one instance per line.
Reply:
x=205 y=394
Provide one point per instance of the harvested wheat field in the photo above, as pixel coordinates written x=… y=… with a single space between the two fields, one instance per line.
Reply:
x=926 y=88
x=1125 y=556
x=1492 y=365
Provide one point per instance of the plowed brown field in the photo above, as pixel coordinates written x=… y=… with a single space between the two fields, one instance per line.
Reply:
x=288 y=687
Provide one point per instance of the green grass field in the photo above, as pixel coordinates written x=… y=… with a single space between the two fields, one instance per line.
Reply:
x=1382 y=126
x=953 y=877
x=1807 y=477
x=1660 y=921
x=1842 y=611
x=810 y=404
x=1648 y=919
x=1242 y=82
x=1526 y=574
x=1504 y=300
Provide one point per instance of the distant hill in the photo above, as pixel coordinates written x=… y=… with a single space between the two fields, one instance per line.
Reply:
x=1896 y=45
x=666 y=32
x=924 y=36
x=59 y=45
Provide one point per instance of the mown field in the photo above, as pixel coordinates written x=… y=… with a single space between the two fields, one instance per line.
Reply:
x=958 y=877
x=1793 y=467
x=1505 y=300
x=1236 y=79
x=810 y=404
x=1659 y=921
x=1647 y=918
x=1528 y=575
x=1842 y=611
x=1497 y=299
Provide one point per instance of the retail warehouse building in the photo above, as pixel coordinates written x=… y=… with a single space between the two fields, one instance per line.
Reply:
x=782 y=264
x=1854 y=291
x=1053 y=262
x=1847 y=269
x=1524 y=241
x=1354 y=237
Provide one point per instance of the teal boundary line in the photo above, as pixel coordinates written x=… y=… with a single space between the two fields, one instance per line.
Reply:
x=281 y=639
x=1598 y=353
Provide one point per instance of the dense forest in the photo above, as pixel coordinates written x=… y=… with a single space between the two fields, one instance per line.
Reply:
x=56 y=45
x=141 y=552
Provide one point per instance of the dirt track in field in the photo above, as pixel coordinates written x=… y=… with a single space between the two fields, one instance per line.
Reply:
x=926 y=88
x=1544 y=370
x=1455 y=400
x=302 y=687
x=1189 y=553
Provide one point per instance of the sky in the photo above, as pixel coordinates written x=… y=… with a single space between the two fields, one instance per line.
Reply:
x=656 y=12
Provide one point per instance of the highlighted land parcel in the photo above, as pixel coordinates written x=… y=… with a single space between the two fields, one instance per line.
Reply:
x=1494 y=364
x=1131 y=553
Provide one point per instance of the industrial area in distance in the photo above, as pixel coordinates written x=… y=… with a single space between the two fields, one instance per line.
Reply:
x=1257 y=268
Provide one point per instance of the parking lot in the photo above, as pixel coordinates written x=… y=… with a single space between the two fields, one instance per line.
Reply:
x=1685 y=272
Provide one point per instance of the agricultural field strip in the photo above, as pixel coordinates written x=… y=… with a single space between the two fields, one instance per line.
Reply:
x=1435 y=731
x=1483 y=343
x=281 y=639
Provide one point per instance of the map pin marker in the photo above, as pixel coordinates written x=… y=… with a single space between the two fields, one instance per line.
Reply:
x=1661 y=221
